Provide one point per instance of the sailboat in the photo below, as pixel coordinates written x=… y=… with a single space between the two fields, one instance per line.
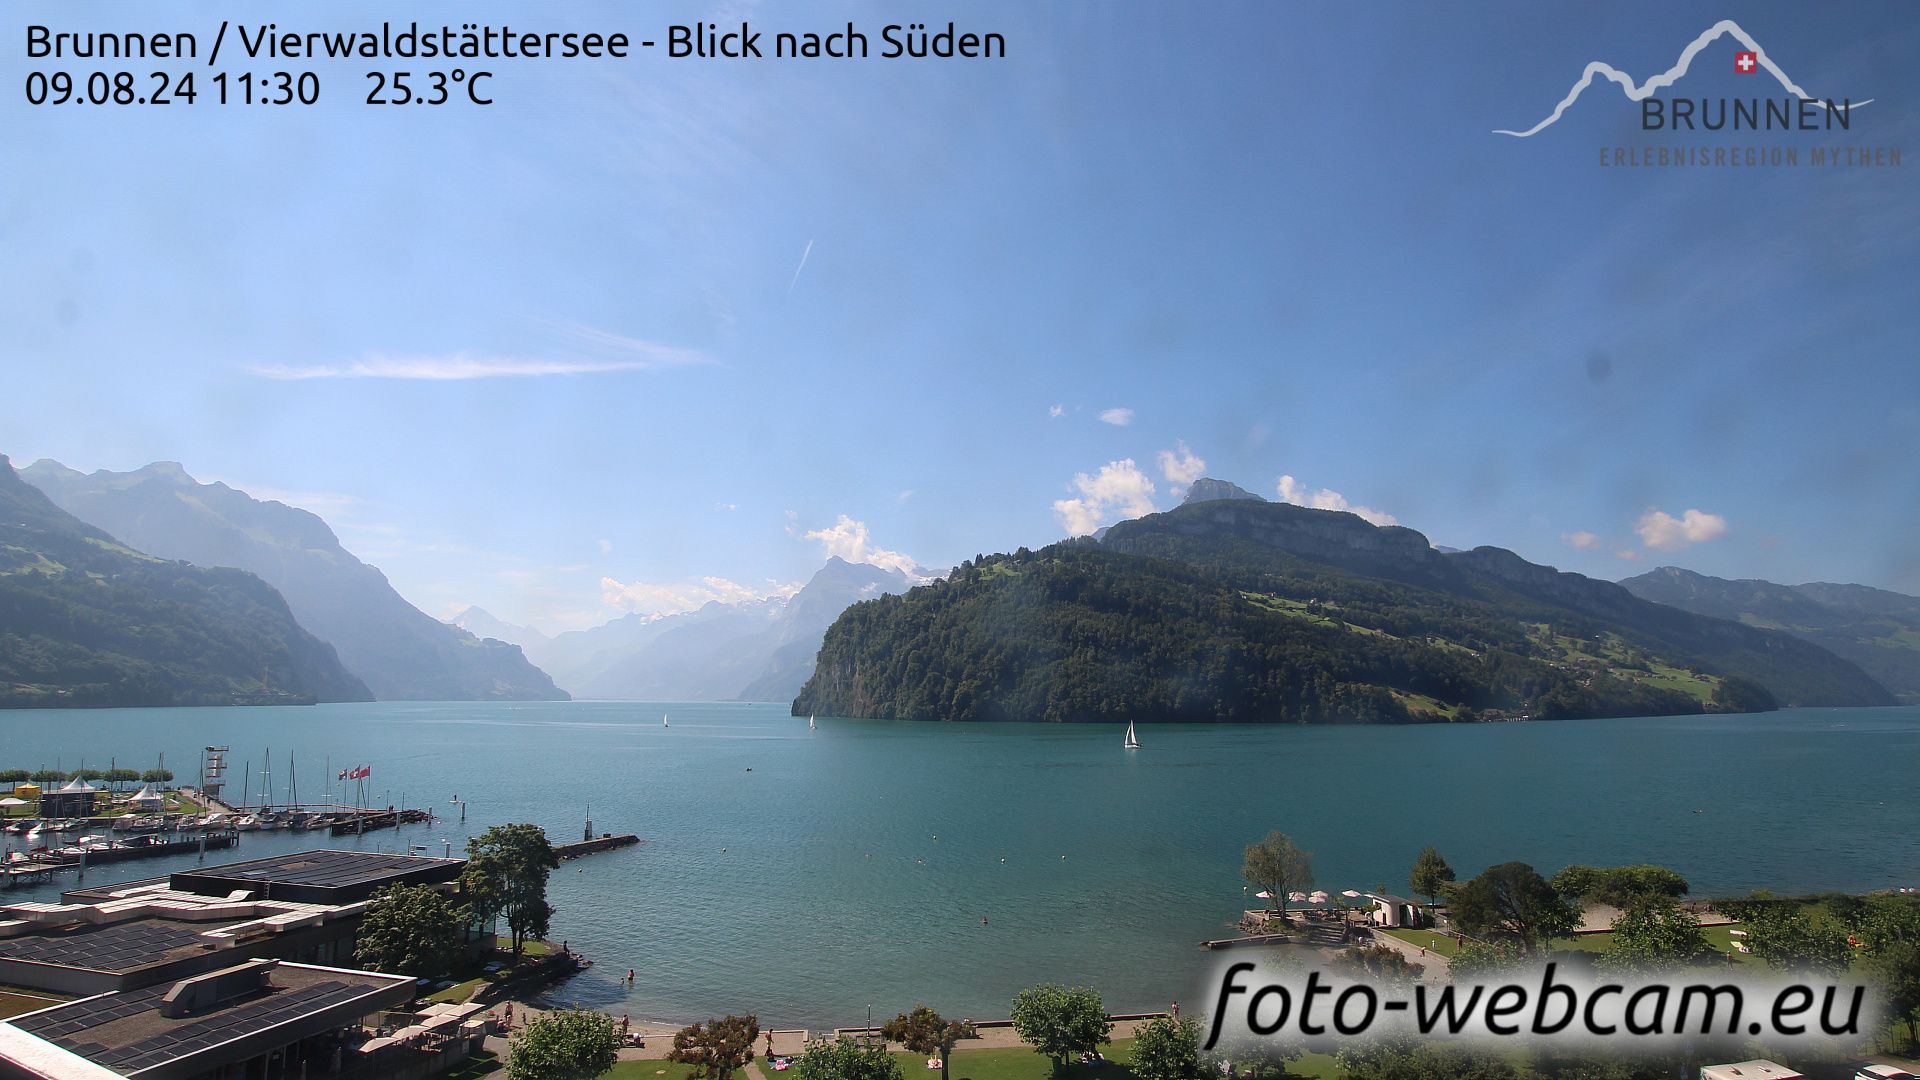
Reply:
x=663 y=719
x=811 y=725
x=1133 y=741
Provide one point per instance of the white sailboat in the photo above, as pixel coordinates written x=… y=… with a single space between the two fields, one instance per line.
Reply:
x=1133 y=741
x=811 y=726
x=663 y=719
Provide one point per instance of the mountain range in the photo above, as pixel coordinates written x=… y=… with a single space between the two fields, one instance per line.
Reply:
x=757 y=650
x=1231 y=608
x=399 y=651
x=86 y=620
x=1874 y=628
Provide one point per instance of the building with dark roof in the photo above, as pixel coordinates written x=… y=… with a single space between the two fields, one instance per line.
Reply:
x=318 y=877
x=258 y=1018
x=303 y=907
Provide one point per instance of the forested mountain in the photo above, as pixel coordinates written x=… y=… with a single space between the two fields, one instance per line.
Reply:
x=1874 y=628
x=87 y=621
x=1243 y=610
x=399 y=651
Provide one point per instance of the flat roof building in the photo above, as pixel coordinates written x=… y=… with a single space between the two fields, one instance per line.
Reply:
x=256 y=1018
x=318 y=877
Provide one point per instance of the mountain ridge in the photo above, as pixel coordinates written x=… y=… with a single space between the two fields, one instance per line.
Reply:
x=1240 y=610
x=87 y=620
x=400 y=652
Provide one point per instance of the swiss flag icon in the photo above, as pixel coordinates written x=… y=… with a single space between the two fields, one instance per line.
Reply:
x=1746 y=63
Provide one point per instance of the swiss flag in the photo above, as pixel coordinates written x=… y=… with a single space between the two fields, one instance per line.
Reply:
x=1746 y=63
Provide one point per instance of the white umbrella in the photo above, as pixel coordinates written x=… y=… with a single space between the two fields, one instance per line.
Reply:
x=1264 y=895
x=1297 y=897
x=1351 y=894
x=11 y=801
x=1318 y=898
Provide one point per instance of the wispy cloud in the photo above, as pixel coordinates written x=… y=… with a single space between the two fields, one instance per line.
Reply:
x=672 y=598
x=1118 y=417
x=802 y=266
x=1582 y=541
x=1056 y=411
x=1664 y=532
x=458 y=366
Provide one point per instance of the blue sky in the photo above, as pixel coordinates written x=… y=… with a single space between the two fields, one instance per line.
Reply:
x=1280 y=239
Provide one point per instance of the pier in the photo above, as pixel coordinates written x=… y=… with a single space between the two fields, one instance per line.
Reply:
x=594 y=846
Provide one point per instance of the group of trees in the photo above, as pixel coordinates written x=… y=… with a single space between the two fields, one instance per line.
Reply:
x=113 y=777
x=506 y=877
x=418 y=930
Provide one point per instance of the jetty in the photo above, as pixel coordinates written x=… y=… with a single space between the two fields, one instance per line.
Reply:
x=590 y=847
x=1251 y=939
x=365 y=821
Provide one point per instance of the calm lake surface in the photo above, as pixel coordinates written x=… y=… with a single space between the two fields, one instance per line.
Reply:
x=853 y=864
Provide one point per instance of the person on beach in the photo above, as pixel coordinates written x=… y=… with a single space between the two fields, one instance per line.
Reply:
x=623 y=1026
x=1176 y=1010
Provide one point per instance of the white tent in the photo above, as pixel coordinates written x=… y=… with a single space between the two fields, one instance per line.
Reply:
x=147 y=799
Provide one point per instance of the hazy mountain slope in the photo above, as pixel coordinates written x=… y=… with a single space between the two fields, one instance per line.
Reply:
x=399 y=651
x=1874 y=628
x=760 y=650
x=86 y=620
x=1238 y=609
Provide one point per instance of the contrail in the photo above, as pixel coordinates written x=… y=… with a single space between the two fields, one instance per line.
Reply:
x=1672 y=75
x=802 y=266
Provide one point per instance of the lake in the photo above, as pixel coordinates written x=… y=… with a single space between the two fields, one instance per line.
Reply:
x=807 y=874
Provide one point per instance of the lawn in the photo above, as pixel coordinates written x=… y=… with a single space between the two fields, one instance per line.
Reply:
x=472 y=976
x=655 y=1070
x=1426 y=939
x=15 y=1002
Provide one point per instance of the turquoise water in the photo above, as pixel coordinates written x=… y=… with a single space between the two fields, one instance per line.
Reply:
x=853 y=865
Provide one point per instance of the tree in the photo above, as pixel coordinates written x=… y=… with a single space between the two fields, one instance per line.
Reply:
x=1277 y=866
x=1483 y=961
x=1167 y=1048
x=1512 y=902
x=157 y=776
x=1888 y=927
x=565 y=1045
x=1376 y=964
x=15 y=776
x=718 y=1048
x=847 y=1059
x=1655 y=934
x=506 y=875
x=117 y=776
x=410 y=930
x=1781 y=933
x=1619 y=886
x=1430 y=876
x=924 y=1031
x=1059 y=1022
x=48 y=776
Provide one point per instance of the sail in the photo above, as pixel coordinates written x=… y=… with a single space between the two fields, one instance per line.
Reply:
x=1133 y=741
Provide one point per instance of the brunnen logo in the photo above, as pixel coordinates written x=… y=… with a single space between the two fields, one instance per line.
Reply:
x=1795 y=110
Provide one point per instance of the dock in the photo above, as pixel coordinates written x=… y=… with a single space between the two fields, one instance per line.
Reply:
x=370 y=821
x=1251 y=939
x=26 y=873
x=594 y=846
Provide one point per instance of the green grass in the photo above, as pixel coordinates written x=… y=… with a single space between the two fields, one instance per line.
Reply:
x=481 y=1064
x=13 y=1003
x=656 y=1070
x=470 y=978
x=1426 y=939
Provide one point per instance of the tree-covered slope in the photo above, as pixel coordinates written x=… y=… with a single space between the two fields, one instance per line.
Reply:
x=401 y=652
x=1252 y=611
x=88 y=621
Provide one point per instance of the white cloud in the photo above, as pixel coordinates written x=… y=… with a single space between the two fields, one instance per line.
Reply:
x=673 y=598
x=1584 y=541
x=1181 y=467
x=1299 y=494
x=1056 y=411
x=1661 y=530
x=736 y=506
x=1627 y=554
x=907 y=494
x=606 y=546
x=592 y=351
x=1118 y=491
x=850 y=540
x=1118 y=417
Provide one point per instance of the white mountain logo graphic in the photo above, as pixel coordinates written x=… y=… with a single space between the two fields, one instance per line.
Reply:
x=1672 y=75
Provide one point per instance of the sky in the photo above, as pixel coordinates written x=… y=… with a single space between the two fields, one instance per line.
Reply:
x=647 y=332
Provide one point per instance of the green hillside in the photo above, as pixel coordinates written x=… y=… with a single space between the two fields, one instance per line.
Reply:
x=87 y=621
x=1254 y=611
